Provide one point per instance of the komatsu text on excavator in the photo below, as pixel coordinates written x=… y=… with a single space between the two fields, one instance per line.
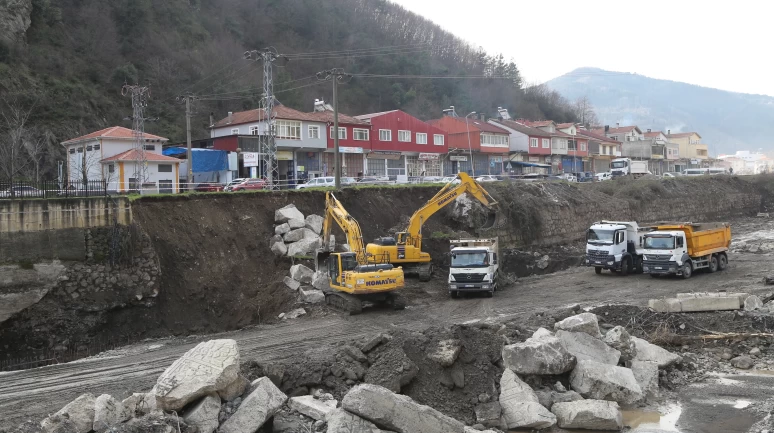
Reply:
x=352 y=276
x=406 y=248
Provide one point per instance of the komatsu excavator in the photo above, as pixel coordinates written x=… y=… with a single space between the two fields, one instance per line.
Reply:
x=406 y=248
x=352 y=276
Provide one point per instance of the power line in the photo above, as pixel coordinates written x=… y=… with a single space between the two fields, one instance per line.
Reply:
x=249 y=95
x=433 y=77
x=353 y=56
x=360 y=50
x=209 y=76
x=257 y=88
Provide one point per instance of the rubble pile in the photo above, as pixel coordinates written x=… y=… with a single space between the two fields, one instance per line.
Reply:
x=294 y=234
x=475 y=377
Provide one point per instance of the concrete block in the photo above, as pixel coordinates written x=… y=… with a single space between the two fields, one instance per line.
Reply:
x=710 y=304
x=669 y=305
x=311 y=296
x=312 y=407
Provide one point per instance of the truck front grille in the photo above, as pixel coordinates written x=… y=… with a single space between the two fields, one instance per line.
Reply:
x=597 y=255
x=469 y=278
x=658 y=257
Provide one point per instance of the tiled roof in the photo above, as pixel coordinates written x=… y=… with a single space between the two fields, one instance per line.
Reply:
x=539 y=123
x=564 y=125
x=372 y=115
x=118 y=132
x=623 y=129
x=472 y=123
x=653 y=134
x=596 y=135
x=683 y=135
x=131 y=155
x=327 y=116
x=524 y=129
x=561 y=134
x=256 y=115
x=487 y=127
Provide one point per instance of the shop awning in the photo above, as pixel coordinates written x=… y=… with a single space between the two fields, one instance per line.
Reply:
x=529 y=164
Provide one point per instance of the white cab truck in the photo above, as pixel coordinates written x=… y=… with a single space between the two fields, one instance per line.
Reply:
x=684 y=248
x=475 y=266
x=615 y=246
x=628 y=167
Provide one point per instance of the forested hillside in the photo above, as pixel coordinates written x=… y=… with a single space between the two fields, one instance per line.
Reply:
x=63 y=63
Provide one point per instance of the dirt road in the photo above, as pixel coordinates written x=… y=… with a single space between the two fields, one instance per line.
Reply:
x=34 y=393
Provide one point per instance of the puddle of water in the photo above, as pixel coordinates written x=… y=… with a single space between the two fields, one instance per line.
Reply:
x=741 y=404
x=643 y=420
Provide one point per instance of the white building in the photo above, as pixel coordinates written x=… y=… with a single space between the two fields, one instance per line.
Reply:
x=746 y=162
x=109 y=155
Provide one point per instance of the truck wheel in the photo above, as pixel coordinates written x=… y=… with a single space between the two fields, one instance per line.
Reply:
x=713 y=264
x=598 y=270
x=687 y=270
x=490 y=294
x=625 y=267
x=722 y=261
x=454 y=294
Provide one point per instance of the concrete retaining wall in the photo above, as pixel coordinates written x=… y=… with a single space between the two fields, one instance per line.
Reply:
x=40 y=215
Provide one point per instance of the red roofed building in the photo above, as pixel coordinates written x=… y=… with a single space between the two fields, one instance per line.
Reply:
x=488 y=144
x=602 y=150
x=109 y=154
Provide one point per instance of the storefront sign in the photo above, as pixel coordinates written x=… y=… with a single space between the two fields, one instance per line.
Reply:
x=284 y=155
x=343 y=149
x=548 y=159
x=496 y=159
x=534 y=159
x=301 y=168
x=517 y=157
x=694 y=161
x=250 y=159
x=458 y=158
x=377 y=154
x=428 y=157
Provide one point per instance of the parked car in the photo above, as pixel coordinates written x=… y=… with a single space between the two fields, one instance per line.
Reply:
x=487 y=178
x=248 y=185
x=236 y=181
x=604 y=176
x=348 y=181
x=372 y=181
x=318 y=182
x=452 y=179
x=671 y=174
x=209 y=187
x=585 y=176
x=569 y=177
x=22 y=191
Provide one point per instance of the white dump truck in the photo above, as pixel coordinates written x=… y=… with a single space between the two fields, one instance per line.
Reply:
x=628 y=167
x=616 y=246
x=475 y=266
x=683 y=248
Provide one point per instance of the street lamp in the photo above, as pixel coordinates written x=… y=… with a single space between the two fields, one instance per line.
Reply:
x=470 y=148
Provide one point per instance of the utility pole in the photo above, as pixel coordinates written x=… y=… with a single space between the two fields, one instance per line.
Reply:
x=188 y=98
x=336 y=75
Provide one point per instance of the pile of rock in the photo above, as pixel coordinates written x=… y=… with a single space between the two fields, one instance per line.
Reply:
x=294 y=234
x=604 y=371
x=307 y=283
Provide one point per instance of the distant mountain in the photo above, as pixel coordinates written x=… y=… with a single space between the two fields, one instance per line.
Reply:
x=727 y=121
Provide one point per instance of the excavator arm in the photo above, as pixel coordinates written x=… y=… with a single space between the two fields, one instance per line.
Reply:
x=446 y=195
x=334 y=211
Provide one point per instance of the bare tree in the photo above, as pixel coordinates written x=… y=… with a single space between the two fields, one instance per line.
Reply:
x=17 y=139
x=584 y=111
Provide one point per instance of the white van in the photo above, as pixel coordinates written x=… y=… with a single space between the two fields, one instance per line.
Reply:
x=604 y=176
x=695 y=172
x=715 y=171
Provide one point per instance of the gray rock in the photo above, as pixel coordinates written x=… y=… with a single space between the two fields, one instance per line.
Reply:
x=311 y=296
x=314 y=223
x=585 y=347
x=287 y=213
x=341 y=421
x=646 y=375
x=294 y=314
x=107 y=412
x=79 y=412
x=753 y=303
x=396 y=412
x=279 y=248
x=458 y=376
x=542 y=332
x=620 y=340
x=558 y=387
x=584 y=322
x=262 y=403
x=301 y=273
x=564 y=397
x=446 y=352
x=304 y=247
x=544 y=398
x=755 y=351
x=597 y=381
x=291 y=283
x=588 y=415
x=488 y=414
x=373 y=342
x=743 y=362
x=298 y=234
x=296 y=223
x=354 y=353
x=209 y=367
x=312 y=407
x=545 y=355
x=140 y=404
x=520 y=405
x=235 y=389
x=276 y=239
x=204 y=415
x=281 y=229
x=320 y=281
x=653 y=353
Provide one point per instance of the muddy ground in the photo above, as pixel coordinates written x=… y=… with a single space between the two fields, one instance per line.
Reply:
x=699 y=391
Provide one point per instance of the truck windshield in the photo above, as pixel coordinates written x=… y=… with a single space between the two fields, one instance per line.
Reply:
x=659 y=243
x=618 y=164
x=598 y=236
x=470 y=259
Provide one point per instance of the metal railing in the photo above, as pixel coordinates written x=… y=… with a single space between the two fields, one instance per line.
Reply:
x=26 y=190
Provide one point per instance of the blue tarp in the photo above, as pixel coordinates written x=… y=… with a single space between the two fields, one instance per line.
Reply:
x=204 y=160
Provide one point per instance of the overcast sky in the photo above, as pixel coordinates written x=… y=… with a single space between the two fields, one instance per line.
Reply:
x=725 y=46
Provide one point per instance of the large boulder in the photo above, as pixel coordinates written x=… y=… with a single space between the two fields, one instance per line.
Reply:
x=262 y=403
x=653 y=353
x=107 y=412
x=395 y=412
x=78 y=415
x=204 y=415
x=291 y=283
x=209 y=367
x=279 y=248
x=446 y=352
x=314 y=223
x=585 y=347
x=281 y=229
x=520 y=405
x=752 y=303
x=311 y=296
x=544 y=355
x=646 y=375
x=301 y=273
x=620 y=340
x=304 y=247
x=313 y=408
x=298 y=234
x=235 y=389
x=597 y=381
x=287 y=213
x=296 y=223
x=583 y=322
x=341 y=421
x=320 y=281
x=588 y=415
x=141 y=403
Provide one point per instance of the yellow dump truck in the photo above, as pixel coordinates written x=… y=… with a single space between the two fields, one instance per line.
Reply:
x=683 y=248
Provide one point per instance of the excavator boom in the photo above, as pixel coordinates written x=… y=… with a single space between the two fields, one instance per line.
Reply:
x=334 y=211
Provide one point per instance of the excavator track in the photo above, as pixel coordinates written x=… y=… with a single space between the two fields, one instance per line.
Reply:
x=396 y=301
x=344 y=302
x=425 y=271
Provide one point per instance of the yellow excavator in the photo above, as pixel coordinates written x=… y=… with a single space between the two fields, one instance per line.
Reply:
x=406 y=248
x=352 y=276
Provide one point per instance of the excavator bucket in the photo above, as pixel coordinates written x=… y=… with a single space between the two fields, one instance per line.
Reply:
x=321 y=260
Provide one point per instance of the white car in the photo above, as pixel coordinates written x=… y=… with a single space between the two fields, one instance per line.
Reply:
x=672 y=175
x=569 y=177
x=320 y=182
x=487 y=178
x=604 y=176
x=452 y=179
x=234 y=182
